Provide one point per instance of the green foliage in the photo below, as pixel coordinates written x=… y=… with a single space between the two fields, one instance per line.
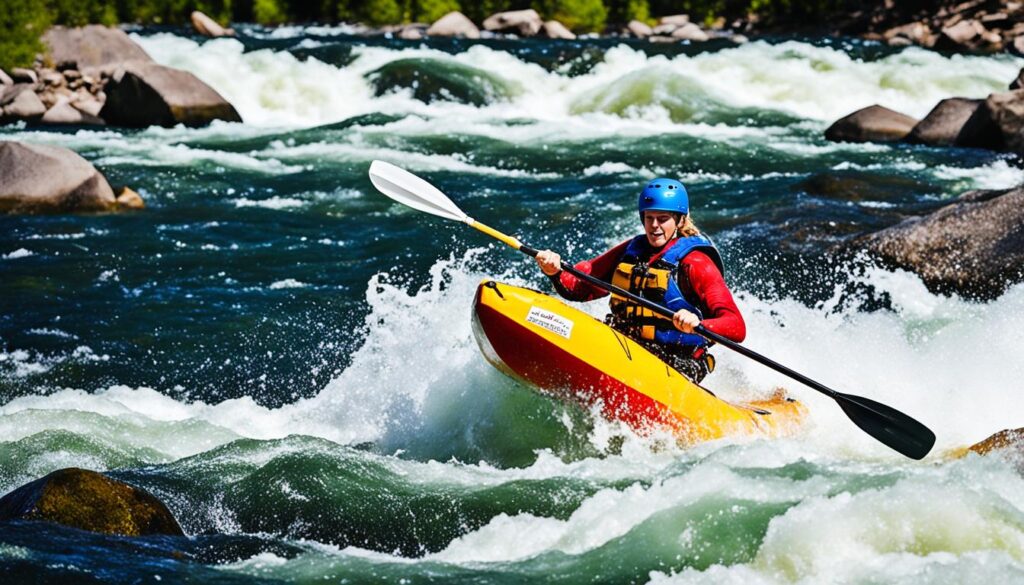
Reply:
x=21 y=23
x=267 y=12
x=621 y=11
x=577 y=15
x=478 y=10
x=372 y=12
x=430 y=10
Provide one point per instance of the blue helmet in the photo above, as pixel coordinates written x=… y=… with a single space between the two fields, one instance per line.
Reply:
x=664 y=195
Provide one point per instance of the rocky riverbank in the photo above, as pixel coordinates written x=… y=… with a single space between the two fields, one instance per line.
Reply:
x=97 y=75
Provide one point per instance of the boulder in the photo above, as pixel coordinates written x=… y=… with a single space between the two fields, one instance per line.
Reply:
x=967 y=34
x=915 y=32
x=411 y=33
x=207 y=26
x=973 y=247
x=664 y=29
x=638 y=29
x=1019 y=82
x=146 y=94
x=675 y=19
x=690 y=32
x=90 y=501
x=1006 y=439
x=1006 y=111
x=454 y=24
x=22 y=75
x=50 y=179
x=873 y=123
x=127 y=198
x=555 y=30
x=91 y=107
x=525 y=23
x=64 y=113
x=1018 y=45
x=93 y=49
x=20 y=102
x=5 y=79
x=943 y=125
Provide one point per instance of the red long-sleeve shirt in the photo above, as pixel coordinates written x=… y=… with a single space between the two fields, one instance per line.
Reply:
x=698 y=277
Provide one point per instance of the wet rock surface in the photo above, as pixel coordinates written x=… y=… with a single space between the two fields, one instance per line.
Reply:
x=36 y=178
x=90 y=501
x=973 y=247
x=147 y=94
x=871 y=124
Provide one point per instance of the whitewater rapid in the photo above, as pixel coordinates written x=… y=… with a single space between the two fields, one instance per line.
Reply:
x=392 y=450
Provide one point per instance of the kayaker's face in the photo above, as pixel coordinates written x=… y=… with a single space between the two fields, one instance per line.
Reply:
x=660 y=227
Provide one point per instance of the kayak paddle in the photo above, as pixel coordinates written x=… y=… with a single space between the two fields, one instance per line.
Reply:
x=886 y=424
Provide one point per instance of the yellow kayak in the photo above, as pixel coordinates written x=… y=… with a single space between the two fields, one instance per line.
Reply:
x=572 y=356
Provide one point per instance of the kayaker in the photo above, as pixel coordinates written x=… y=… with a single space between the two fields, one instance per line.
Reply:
x=671 y=263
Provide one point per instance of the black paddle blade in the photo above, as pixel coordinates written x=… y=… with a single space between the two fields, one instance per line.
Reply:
x=888 y=425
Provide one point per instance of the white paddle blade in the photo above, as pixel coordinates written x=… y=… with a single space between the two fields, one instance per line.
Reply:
x=408 y=189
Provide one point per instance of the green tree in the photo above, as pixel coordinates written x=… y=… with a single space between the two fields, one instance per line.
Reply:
x=578 y=15
x=372 y=12
x=267 y=12
x=430 y=10
x=620 y=11
x=21 y=23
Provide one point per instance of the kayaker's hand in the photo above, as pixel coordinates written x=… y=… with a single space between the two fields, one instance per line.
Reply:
x=685 y=321
x=549 y=262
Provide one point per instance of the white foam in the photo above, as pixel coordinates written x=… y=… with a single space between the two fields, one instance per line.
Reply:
x=276 y=89
x=19 y=253
x=287 y=283
x=275 y=202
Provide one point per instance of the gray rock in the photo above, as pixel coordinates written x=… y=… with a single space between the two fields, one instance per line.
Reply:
x=942 y=125
x=88 y=500
x=64 y=113
x=454 y=24
x=146 y=94
x=51 y=77
x=555 y=30
x=664 y=29
x=973 y=247
x=639 y=29
x=1006 y=111
x=871 y=124
x=411 y=33
x=525 y=23
x=5 y=79
x=914 y=32
x=93 y=48
x=87 y=103
x=20 y=102
x=968 y=34
x=22 y=75
x=675 y=19
x=1019 y=82
x=50 y=179
x=690 y=32
x=207 y=26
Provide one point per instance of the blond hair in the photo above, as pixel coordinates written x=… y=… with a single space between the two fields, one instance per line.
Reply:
x=688 y=228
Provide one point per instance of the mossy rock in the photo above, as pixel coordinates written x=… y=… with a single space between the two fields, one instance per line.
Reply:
x=90 y=501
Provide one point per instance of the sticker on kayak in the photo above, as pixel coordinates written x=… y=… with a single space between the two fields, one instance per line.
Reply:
x=554 y=323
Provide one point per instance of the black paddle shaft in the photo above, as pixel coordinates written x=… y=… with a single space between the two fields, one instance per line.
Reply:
x=890 y=426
